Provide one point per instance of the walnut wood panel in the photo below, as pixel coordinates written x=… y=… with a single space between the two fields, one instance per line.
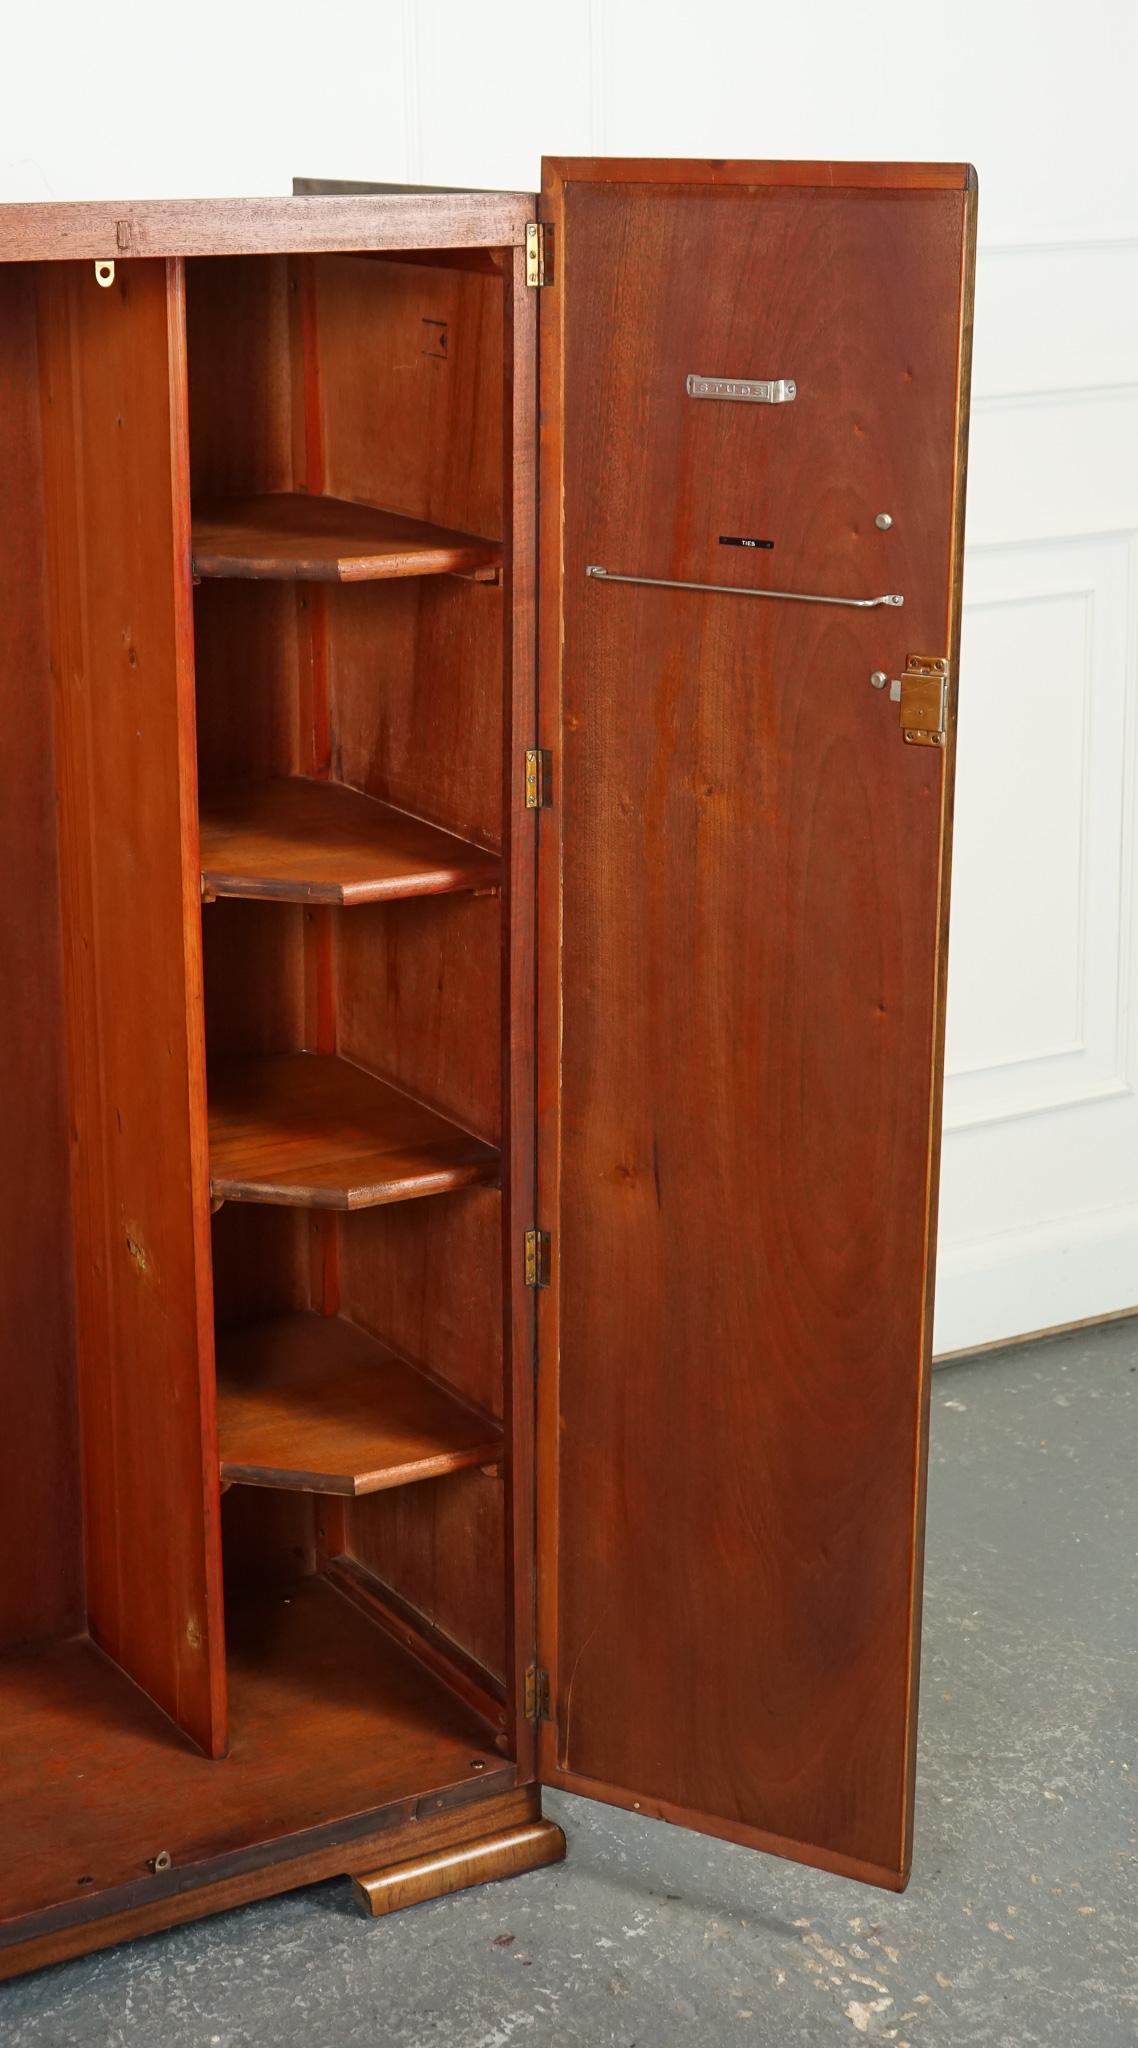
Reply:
x=427 y=1278
x=270 y=1537
x=39 y=1460
x=419 y=1000
x=314 y=1404
x=457 y=1669
x=438 y=1875
x=463 y=1814
x=256 y=980
x=113 y=393
x=287 y=537
x=415 y=684
x=252 y=673
x=316 y=1132
x=331 y=1722
x=741 y=1183
x=238 y=325
x=261 y=1262
x=318 y=842
x=441 y=1547
x=121 y=229
x=411 y=419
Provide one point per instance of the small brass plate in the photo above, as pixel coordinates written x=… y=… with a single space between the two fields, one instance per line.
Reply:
x=924 y=700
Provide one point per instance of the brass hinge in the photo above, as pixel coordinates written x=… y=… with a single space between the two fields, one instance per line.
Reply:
x=539 y=265
x=539 y=779
x=537 y=1258
x=922 y=693
x=537 y=1694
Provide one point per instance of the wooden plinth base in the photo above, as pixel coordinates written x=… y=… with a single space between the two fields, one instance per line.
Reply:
x=505 y=1854
x=427 y=1830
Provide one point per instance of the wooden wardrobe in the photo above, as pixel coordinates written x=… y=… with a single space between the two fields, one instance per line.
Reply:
x=477 y=691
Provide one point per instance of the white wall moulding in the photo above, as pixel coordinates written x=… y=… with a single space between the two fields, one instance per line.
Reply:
x=1055 y=317
x=1033 y=1279
x=1036 y=1018
x=1039 y=1206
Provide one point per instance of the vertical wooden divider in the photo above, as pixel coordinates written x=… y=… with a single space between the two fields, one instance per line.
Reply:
x=519 y=1134
x=116 y=461
x=314 y=738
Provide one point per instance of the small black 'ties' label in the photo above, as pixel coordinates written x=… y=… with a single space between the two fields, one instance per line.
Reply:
x=742 y=540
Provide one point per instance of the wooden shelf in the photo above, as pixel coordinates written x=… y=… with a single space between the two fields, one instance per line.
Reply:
x=313 y=1404
x=330 y=1720
x=287 y=536
x=309 y=1131
x=296 y=841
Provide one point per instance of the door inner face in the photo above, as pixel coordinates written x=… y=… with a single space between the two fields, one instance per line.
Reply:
x=757 y=389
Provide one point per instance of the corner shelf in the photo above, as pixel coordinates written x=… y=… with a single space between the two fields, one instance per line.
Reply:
x=297 y=841
x=287 y=536
x=307 y=1130
x=313 y=1404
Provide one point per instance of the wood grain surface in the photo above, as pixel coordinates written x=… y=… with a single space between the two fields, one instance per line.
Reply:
x=39 y=1451
x=94 y=229
x=117 y=493
x=288 y=537
x=745 y=872
x=297 y=840
x=530 y=1847
x=445 y=1548
x=314 y=1404
x=317 y=1132
x=462 y=1814
x=331 y=1720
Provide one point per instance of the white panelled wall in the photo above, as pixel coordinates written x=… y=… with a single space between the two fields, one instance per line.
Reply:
x=1040 y=1193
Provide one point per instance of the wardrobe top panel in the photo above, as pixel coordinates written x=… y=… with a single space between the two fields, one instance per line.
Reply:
x=103 y=229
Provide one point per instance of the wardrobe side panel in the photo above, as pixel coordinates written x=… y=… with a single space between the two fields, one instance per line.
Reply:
x=39 y=1460
x=113 y=407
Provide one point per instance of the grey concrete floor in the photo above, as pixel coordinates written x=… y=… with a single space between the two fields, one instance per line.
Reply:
x=1020 y=1927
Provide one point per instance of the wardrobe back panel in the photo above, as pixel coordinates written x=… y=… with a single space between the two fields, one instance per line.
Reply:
x=426 y=1277
x=440 y=1547
x=404 y=378
x=415 y=680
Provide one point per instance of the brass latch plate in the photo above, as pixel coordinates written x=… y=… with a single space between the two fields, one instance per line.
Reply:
x=922 y=693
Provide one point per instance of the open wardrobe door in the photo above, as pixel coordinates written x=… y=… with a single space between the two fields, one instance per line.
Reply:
x=754 y=393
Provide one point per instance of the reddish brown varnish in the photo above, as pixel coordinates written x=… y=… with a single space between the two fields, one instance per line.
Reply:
x=294 y=538
x=314 y=1404
x=296 y=840
x=751 y=873
x=320 y=1133
x=292 y=949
